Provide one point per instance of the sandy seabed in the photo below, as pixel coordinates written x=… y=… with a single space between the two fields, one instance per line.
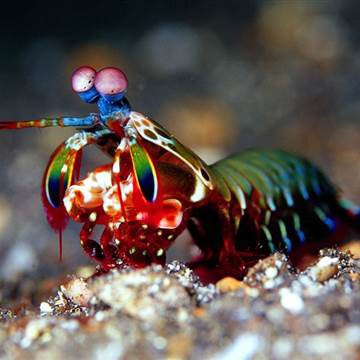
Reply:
x=276 y=312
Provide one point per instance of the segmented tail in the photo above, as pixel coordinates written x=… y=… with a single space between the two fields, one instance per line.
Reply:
x=351 y=213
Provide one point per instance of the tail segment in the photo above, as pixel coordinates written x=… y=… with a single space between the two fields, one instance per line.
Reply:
x=351 y=213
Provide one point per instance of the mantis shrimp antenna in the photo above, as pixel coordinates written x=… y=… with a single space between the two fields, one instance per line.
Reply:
x=87 y=121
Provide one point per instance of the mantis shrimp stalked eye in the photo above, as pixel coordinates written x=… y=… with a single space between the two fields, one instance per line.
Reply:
x=237 y=210
x=111 y=83
x=82 y=82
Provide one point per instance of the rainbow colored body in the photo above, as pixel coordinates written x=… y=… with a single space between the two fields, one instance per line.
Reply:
x=237 y=210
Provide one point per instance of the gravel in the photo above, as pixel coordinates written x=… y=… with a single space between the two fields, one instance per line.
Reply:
x=275 y=312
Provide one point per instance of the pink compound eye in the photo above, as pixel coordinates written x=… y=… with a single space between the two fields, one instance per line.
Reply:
x=83 y=79
x=111 y=81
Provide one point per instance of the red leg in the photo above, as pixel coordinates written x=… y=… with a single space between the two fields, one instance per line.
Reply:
x=106 y=243
x=91 y=247
x=231 y=261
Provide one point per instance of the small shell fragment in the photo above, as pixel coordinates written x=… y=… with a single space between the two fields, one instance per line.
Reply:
x=326 y=268
x=229 y=284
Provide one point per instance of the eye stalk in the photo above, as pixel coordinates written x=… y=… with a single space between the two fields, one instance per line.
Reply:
x=111 y=83
x=82 y=82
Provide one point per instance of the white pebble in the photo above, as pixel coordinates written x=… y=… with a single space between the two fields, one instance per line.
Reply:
x=327 y=261
x=244 y=347
x=45 y=307
x=291 y=301
x=271 y=272
x=70 y=325
x=282 y=348
x=159 y=343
